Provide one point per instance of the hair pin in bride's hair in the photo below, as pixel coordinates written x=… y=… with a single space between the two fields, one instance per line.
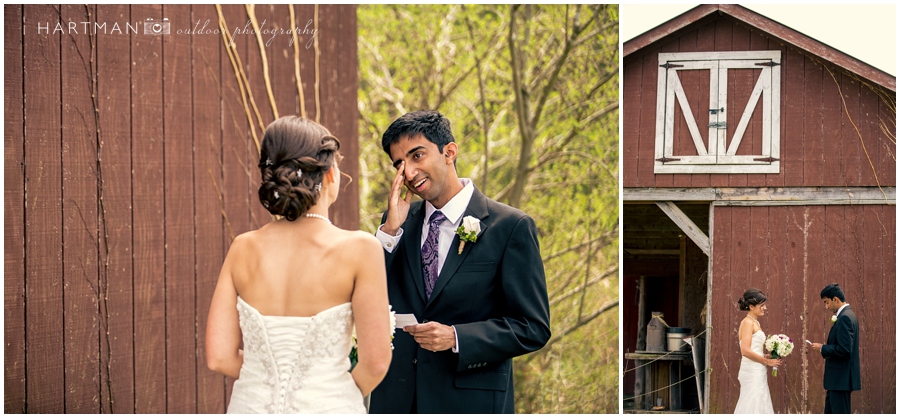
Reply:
x=276 y=195
x=318 y=187
x=268 y=162
x=299 y=173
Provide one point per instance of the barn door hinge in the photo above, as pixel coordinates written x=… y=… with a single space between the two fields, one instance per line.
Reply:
x=768 y=63
x=667 y=159
x=718 y=125
x=767 y=159
x=667 y=65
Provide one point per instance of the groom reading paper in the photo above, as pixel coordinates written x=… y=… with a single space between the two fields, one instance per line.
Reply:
x=470 y=270
x=841 y=352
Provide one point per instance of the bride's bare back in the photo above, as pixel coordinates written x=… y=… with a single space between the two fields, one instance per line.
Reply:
x=299 y=268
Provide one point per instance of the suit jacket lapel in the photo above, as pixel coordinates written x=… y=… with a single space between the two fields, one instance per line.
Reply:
x=477 y=208
x=411 y=247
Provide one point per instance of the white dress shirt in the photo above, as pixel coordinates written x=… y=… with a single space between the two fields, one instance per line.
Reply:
x=453 y=210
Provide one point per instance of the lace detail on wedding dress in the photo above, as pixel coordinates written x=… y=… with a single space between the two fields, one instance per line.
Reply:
x=318 y=342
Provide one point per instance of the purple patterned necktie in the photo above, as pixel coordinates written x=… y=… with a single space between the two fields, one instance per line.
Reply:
x=430 y=252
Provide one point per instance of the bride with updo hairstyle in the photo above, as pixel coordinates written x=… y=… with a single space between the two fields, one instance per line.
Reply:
x=295 y=156
x=752 y=375
x=289 y=294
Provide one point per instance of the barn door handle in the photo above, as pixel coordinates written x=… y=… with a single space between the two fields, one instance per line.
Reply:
x=714 y=111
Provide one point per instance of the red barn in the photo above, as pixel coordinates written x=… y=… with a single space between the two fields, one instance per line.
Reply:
x=754 y=156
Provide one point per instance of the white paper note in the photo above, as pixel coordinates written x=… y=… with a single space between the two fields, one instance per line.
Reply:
x=405 y=319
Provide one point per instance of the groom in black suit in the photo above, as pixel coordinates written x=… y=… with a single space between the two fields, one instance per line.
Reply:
x=478 y=304
x=841 y=352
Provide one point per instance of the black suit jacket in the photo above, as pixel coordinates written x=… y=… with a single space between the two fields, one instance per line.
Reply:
x=494 y=293
x=841 y=353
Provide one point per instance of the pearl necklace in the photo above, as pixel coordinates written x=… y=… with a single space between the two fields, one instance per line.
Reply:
x=316 y=215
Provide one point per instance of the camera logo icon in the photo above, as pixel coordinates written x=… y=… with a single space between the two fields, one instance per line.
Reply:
x=152 y=27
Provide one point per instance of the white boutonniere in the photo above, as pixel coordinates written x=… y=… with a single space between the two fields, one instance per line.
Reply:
x=833 y=318
x=468 y=231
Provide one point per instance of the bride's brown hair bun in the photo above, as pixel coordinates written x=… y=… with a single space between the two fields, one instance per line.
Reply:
x=294 y=157
x=751 y=297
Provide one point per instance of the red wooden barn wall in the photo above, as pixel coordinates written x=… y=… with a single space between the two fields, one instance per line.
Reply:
x=791 y=253
x=105 y=303
x=819 y=144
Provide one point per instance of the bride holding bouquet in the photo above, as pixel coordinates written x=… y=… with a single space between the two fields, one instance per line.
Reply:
x=755 y=397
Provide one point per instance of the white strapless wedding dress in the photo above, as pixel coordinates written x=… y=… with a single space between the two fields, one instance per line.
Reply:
x=296 y=364
x=755 y=397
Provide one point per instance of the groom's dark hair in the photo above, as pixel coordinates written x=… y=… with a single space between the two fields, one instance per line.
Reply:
x=831 y=291
x=432 y=125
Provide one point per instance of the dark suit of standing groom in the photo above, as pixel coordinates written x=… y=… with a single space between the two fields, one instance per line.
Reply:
x=478 y=305
x=841 y=352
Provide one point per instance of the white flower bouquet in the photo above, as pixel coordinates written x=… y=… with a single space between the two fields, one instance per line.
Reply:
x=780 y=346
x=354 y=355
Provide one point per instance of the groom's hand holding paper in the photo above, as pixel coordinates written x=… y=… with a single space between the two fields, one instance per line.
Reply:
x=433 y=336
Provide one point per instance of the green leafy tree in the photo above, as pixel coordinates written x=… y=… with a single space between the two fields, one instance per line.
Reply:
x=532 y=95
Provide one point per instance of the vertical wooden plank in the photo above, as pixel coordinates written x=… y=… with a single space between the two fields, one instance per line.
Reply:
x=659 y=180
x=813 y=131
x=787 y=117
x=723 y=42
x=80 y=256
x=181 y=328
x=818 y=317
x=45 y=379
x=307 y=34
x=759 y=42
x=208 y=222
x=816 y=274
x=739 y=271
x=832 y=115
x=632 y=119
x=853 y=283
x=741 y=83
x=757 y=247
x=240 y=142
x=281 y=59
x=114 y=91
x=872 y=343
x=705 y=42
x=887 y=114
x=236 y=139
x=792 y=84
x=149 y=219
x=852 y=157
x=780 y=265
x=13 y=213
x=691 y=81
x=646 y=144
x=724 y=319
x=888 y=301
x=344 y=64
x=795 y=287
x=117 y=310
x=870 y=131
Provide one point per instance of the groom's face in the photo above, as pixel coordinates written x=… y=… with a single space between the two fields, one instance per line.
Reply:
x=832 y=304
x=427 y=171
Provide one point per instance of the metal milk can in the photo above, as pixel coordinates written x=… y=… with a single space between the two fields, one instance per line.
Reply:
x=656 y=333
